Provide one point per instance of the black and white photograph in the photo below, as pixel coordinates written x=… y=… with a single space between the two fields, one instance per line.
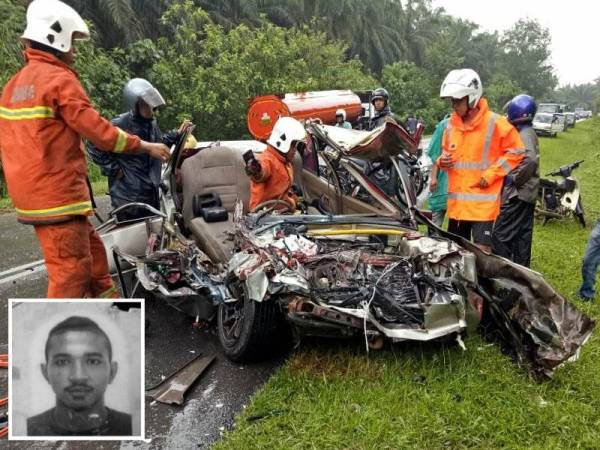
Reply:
x=76 y=370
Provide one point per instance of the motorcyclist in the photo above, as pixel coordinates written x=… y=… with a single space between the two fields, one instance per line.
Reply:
x=340 y=119
x=272 y=175
x=135 y=178
x=383 y=113
x=513 y=229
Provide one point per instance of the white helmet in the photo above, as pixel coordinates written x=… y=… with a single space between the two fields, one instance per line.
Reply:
x=341 y=112
x=285 y=132
x=461 y=83
x=53 y=23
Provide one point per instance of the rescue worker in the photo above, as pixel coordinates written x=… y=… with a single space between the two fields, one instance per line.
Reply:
x=383 y=113
x=513 y=230
x=135 y=177
x=479 y=149
x=44 y=113
x=272 y=176
x=340 y=119
x=438 y=184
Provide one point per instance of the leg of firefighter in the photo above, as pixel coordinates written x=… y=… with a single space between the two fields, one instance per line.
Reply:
x=522 y=245
x=102 y=285
x=506 y=229
x=66 y=250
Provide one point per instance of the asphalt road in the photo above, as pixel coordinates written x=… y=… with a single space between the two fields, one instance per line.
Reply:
x=171 y=341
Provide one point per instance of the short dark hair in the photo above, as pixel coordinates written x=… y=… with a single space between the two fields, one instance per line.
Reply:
x=45 y=48
x=77 y=323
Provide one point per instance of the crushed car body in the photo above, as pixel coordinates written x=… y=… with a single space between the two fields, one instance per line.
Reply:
x=354 y=263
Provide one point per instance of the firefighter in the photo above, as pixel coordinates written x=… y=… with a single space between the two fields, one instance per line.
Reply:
x=44 y=113
x=272 y=177
x=340 y=119
x=383 y=113
x=135 y=177
x=479 y=148
x=513 y=230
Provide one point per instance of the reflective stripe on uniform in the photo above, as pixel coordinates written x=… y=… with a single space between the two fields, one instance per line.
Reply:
x=488 y=139
x=468 y=165
x=470 y=197
x=35 y=112
x=121 y=141
x=504 y=164
x=73 y=208
x=517 y=151
x=484 y=163
x=109 y=293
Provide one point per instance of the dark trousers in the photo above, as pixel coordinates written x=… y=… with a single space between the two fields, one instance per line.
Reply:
x=513 y=231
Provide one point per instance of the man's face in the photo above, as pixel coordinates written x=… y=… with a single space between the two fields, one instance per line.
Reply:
x=460 y=106
x=145 y=110
x=78 y=368
x=379 y=104
x=69 y=57
x=339 y=118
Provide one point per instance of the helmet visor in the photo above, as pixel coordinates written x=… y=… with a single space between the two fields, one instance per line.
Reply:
x=152 y=98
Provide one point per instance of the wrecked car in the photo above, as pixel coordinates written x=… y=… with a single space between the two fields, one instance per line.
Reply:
x=349 y=265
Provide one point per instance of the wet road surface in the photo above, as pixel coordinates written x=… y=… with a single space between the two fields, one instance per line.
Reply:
x=171 y=341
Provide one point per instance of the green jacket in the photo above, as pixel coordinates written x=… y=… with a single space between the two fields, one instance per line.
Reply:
x=439 y=198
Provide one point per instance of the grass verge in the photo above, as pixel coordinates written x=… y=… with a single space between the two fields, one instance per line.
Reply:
x=435 y=395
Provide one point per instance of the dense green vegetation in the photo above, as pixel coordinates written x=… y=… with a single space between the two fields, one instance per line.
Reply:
x=208 y=57
x=435 y=395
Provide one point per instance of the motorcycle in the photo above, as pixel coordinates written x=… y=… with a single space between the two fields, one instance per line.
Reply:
x=559 y=200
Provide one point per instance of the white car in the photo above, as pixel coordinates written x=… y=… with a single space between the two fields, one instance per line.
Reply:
x=547 y=124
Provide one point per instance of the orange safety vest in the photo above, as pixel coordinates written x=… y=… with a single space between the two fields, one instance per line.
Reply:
x=277 y=176
x=44 y=113
x=489 y=147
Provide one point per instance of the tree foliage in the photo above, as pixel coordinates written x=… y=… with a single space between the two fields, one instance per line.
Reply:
x=211 y=79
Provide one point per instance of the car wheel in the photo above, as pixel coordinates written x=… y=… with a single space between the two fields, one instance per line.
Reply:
x=246 y=328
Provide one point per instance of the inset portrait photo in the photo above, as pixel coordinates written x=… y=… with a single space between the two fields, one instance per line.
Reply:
x=76 y=370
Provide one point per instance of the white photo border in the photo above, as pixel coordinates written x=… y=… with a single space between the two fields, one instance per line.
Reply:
x=142 y=435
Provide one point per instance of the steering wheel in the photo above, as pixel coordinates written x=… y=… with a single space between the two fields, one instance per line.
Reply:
x=289 y=208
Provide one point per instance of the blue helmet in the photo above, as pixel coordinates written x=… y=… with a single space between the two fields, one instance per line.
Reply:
x=521 y=109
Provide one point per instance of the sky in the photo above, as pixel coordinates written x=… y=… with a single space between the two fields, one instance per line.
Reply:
x=573 y=26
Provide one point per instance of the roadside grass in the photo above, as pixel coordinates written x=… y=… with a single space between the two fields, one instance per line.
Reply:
x=435 y=395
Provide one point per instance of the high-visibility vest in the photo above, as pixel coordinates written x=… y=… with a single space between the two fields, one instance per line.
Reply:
x=44 y=113
x=489 y=147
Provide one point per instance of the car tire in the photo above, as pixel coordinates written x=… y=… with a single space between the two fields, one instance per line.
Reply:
x=247 y=328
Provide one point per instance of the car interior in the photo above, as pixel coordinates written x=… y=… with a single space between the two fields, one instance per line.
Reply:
x=220 y=170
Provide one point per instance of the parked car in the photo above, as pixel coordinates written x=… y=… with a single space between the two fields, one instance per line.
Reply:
x=570 y=119
x=547 y=124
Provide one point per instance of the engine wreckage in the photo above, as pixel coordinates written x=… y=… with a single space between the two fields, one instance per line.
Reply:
x=348 y=268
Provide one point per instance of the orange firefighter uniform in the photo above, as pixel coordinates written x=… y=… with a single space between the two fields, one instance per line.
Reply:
x=44 y=112
x=275 y=180
x=488 y=147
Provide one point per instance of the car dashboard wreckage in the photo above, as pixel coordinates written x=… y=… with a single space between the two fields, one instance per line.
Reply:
x=350 y=265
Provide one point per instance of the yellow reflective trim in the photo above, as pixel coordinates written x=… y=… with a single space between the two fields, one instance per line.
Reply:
x=357 y=231
x=74 y=208
x=36 y=112
x=121 y=141
x=109 y=292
